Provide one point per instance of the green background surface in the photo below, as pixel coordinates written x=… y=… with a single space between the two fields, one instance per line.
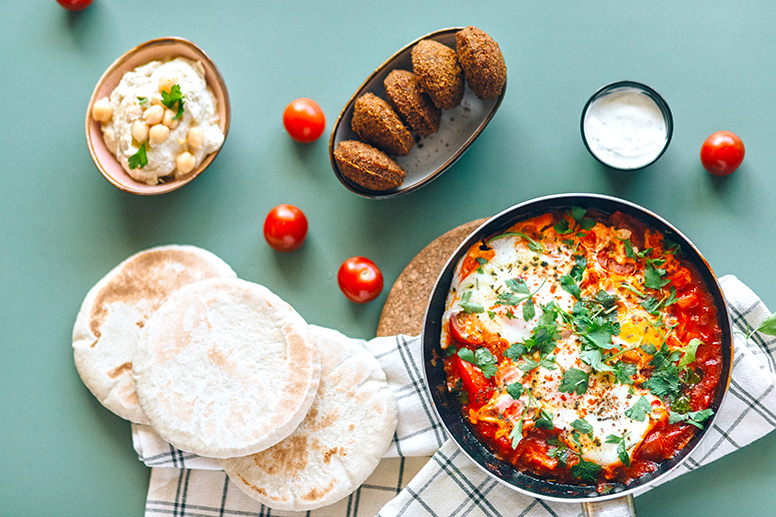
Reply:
x=64 y=226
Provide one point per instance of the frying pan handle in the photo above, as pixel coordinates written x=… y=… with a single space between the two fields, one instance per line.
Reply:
x=620 y=507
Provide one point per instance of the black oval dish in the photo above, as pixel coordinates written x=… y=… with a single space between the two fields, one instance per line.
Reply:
x=434 y=154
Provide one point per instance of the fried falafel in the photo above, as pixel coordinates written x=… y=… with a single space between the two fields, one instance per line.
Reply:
x=367 y=166
x=376 y=123
x=439 y=73
x=415 y=107
x=482 y=62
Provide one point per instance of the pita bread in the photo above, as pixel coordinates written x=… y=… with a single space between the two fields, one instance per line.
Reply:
x=108 y=324
x=225 y=368
x=338 y=445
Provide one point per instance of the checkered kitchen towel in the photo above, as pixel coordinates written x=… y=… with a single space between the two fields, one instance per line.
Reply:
x=407 y=483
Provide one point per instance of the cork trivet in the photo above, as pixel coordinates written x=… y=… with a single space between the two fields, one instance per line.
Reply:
x=405 y=306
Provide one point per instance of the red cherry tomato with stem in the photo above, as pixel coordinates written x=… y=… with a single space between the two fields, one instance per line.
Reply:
x=285 y=228
x=360 y=279
x=304 y=120
x=722 y=153
x=75 y=5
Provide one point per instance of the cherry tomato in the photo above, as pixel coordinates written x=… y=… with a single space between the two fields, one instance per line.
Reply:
x=285 y=228
x=75 y=5
x=360 y=279
x=722 y=153
x=304 y=120
x=464 y=328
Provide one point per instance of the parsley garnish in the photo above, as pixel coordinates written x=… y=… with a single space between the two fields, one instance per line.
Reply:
x=517 y=433
x=574 y=380
x=653 y=274
x=139 y=159
x=517 y=286
x=583 y=426
x=545 y=420
x=640 y=409
x=515 y=389
x=142 y=100
x=481 y=261
x=768 y=326
x=585 y=470
x=622 y=451
x=689 y=352
x=559 y=451
x=172 y=98
x=695 y=418
x=482 y=359
x=624 y=372
x=470 y=307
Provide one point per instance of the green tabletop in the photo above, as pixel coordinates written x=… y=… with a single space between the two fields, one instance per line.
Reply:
x=64 y=226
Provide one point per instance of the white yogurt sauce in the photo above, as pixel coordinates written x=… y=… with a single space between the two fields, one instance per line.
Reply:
x=625 y=128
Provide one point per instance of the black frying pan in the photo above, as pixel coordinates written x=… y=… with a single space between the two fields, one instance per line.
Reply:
x=449 y=408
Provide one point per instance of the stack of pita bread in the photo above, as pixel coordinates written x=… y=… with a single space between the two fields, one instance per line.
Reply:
x=298 y=416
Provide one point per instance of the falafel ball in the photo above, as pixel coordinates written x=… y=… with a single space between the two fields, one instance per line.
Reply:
x=482 y=62
x=405 y=95
x=376 y=123
x=367 y=166
x=439 y=73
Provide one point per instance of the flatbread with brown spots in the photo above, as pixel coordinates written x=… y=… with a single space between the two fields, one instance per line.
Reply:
x=225 y=368
x=108 y=324
x=340 y=442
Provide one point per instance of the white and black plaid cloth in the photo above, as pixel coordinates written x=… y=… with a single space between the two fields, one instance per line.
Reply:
x=407 y=482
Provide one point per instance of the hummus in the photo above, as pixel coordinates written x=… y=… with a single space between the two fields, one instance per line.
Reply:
x=175 y=144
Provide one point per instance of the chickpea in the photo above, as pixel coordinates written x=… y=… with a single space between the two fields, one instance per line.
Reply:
x=195 y=137
x=156 y=100
x=169 y=119
x=153 y=115
x=166 y=82
x=139 y=131
x=185 y=162
x=101 y=110
x=158 y=133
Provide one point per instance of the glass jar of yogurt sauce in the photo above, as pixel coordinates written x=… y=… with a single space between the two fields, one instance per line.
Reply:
x=626 y=125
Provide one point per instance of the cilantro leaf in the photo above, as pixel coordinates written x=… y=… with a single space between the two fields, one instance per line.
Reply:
x=640 y=409
x=139 y=159
x=622 y=451
x=529 y=309
x=517 y=285
x=545 y=420
x=515 y=389
x=481 y=358
x=664 y=382
x=173 y=97
x=768 y=326
x=485 y=361
x=585 y=470
x=595 y=359
x=569 y=285
x=516 y=434
x=653 y=275
x=468 y=306
x=574 y=380
x=515 y=351
x=624 y=372
x=689 y=352
x=695 y=418
x=481 y=261
x=562 y=227
x=466 y=354
x=583 y=426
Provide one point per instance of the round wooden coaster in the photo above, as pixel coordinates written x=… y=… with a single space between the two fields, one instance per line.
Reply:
x=405 y=305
